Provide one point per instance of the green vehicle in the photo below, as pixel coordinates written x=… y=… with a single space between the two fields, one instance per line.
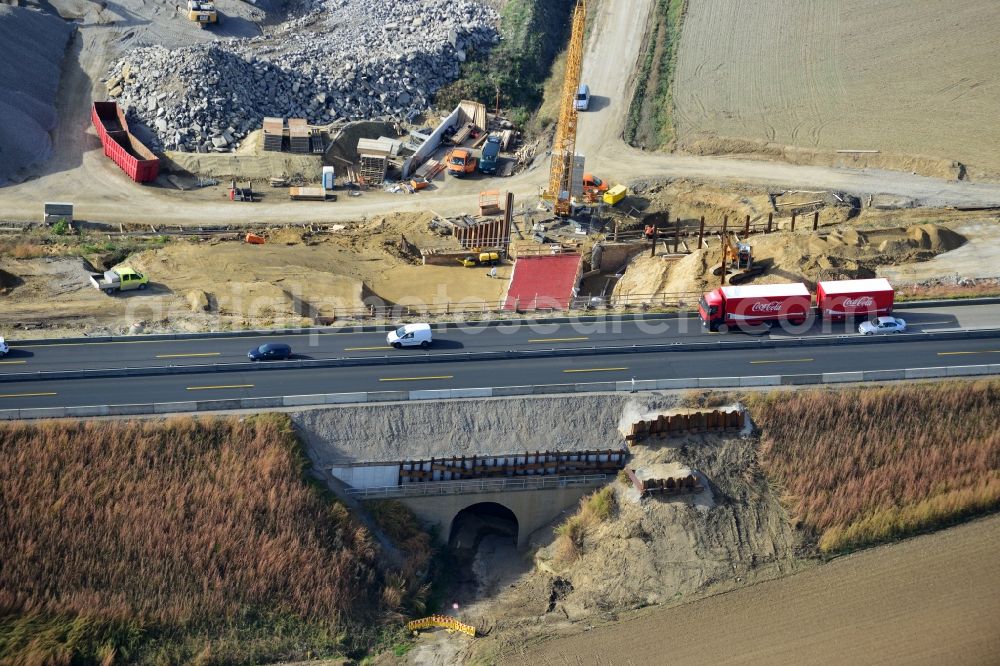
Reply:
x=119 y=279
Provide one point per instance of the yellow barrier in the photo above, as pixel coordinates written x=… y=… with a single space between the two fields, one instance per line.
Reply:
x=445 y=621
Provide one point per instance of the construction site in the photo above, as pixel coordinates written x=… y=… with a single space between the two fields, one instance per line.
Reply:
x=247 y=167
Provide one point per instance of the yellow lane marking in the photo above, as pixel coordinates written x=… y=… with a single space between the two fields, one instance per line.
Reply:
x=786 y=360
x=366 y=348
x=595 y=370
x=24 y=395
x=12 y=362
x=188 y=355
x=230 y=386
x=413 y=379
x=558 y=339
x=985 y=351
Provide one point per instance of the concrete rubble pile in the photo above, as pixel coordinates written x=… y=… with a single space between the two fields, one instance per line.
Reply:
x=349 y=59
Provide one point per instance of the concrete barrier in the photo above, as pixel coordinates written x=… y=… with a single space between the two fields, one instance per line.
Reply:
x=675 y=384
x=762 y=380
x=302 y=400
x=968 y=370
x=171 y=407
x=472 y=393
x=924 y=373
x=636 y=385
x=388 y=396
x=507 y=391
x=341 y=398
x=10 y=414
x=42 y=413
x=718 y=382
x=595 y=387
x=260 y=403
x=883 y=375
x=794 y=380
x=546 y=389
x=838 y=377
x=82 y=412
x=131 y=410
x=431 y=394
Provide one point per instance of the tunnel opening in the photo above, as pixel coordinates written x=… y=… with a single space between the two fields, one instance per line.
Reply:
x=483 y=548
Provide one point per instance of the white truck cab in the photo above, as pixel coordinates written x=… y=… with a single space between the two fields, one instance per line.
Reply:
x=410 y=335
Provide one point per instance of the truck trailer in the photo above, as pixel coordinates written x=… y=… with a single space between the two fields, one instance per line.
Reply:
x=842 y=299
x=754 y=305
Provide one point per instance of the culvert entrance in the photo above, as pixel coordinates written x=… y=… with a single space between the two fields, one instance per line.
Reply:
x=485 y=519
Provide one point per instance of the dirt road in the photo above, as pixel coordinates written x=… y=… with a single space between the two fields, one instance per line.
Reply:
x=930 y=600
x=100 y=192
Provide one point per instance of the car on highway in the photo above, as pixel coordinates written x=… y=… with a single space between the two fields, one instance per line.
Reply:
x=3 y=347
x=272 y=351
x=411 y=335
x=882 y=325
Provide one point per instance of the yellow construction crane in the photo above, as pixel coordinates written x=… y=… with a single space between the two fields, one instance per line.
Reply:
x=560 y=190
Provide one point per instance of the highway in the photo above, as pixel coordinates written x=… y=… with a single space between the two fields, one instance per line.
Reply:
x=805 y=359
x=516 y=335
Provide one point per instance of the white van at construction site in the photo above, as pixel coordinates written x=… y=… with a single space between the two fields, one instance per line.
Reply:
x=410 y=335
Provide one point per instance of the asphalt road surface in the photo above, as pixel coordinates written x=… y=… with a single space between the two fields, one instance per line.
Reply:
x=516 y=335
x=508 y=372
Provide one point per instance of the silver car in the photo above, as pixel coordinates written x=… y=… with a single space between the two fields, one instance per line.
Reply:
x=882 y=325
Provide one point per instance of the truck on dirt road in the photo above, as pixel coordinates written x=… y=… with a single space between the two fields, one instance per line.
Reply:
x=119 y=279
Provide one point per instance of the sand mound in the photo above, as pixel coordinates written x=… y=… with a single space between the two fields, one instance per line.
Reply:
x=36 y=42
x=840 y=254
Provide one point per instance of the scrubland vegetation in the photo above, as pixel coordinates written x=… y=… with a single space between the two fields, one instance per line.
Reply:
x=863 y=466
x=176 y=541
x=594 y=509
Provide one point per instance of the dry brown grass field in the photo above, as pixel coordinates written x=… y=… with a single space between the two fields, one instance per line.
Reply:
x=173 y=541
x=863 y=466
x=913 y=77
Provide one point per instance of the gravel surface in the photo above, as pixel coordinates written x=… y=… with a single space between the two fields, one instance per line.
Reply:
x=36 y=43
x=335 y=59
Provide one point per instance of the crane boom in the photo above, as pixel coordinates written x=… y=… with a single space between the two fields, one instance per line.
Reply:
x=560 y=189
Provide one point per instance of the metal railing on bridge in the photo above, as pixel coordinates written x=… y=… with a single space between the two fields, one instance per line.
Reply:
x=479 y=486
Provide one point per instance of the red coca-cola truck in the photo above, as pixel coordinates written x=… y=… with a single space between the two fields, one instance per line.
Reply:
x=753 y=305
x=842 y=299
x=121 y=146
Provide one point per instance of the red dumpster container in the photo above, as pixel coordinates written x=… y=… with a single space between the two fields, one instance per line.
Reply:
x=121 y=146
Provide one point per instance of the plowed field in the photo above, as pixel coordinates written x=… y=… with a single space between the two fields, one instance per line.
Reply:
x=906 y=77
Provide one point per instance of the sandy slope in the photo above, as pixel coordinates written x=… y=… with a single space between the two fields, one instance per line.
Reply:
x=930 y=600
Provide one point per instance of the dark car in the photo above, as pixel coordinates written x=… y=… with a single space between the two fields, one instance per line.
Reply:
x=270 y=352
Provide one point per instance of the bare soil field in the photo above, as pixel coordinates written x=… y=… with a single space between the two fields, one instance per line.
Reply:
x=910 y=79
x=930 y=600
x=296 y=278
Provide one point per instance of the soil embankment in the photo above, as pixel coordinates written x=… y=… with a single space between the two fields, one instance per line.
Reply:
x=930 y=600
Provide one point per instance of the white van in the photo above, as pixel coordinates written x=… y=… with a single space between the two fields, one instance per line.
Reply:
x=410 y=335
x=582 y=102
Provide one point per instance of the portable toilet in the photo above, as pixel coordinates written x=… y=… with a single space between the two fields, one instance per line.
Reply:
x=329 y=177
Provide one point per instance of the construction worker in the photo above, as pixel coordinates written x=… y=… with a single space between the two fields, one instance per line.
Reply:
x=493 y=272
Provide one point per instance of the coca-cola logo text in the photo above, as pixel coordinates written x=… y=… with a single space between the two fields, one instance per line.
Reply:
x=859 y=302
x=773 y=306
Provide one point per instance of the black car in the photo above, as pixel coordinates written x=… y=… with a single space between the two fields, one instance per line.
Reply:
x=272 y=351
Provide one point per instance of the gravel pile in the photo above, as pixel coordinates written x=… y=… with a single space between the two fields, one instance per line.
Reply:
x=36 y=42
x=350 y=59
